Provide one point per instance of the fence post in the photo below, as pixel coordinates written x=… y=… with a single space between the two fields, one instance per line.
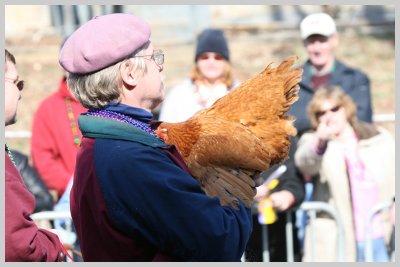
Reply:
x=265 y=244
x=289 y=237
x=369 y=255
x=322 y=206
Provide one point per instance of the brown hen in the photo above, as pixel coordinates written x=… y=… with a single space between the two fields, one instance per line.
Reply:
x=242 y=134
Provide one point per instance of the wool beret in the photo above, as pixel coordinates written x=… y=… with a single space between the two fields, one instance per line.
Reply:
x=212 y=40
x=103 y=41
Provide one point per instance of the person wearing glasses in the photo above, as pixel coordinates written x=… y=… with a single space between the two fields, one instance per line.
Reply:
x=24 y=241
x=321 y=39
x=354 y=161
x=132 y=197
x=210 y=79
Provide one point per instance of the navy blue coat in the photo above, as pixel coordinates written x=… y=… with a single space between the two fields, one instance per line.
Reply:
x=136 y=202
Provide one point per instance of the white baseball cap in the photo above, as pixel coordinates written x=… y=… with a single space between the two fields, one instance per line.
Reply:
x=318 y=23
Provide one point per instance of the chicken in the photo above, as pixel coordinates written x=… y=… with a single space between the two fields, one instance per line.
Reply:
x=227 y=145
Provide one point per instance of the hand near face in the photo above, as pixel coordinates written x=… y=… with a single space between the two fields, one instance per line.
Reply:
x=324 y=130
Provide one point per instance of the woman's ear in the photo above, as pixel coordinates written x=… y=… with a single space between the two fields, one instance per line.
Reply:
x=127 y=74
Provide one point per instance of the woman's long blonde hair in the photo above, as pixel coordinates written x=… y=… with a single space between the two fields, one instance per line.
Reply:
x=227 y=76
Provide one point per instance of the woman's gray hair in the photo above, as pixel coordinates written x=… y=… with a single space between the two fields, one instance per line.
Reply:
x=97 y=89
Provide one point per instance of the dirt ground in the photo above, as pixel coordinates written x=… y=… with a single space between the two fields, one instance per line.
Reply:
x=38 y=66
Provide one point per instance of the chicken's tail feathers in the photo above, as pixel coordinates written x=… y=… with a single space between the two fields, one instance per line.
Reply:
x=291 y=86
x=291 y=89
x=287 y=63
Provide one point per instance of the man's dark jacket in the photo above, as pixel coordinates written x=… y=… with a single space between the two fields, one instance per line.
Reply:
x=354 y=83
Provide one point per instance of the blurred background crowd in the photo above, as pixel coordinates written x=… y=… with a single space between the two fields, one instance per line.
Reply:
x=257 y=35
x=366 y=36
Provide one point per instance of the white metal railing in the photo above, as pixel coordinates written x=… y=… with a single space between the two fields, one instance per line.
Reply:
x=369 y=256
x=45 y=217
x=56 y=217
x=312 y=207
x=50 y=215
x=384 y=117
x=18 y=134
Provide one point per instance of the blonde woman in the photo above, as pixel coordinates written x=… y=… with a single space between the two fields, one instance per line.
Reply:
x=352 y=164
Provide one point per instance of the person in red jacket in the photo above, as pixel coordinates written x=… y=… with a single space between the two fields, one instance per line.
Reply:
x=24 y=241
x=56 y=138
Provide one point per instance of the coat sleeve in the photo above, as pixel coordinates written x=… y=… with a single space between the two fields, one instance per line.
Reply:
x=361 y=93
x=167 y=207
x=33 y=182
x=24 y=241
x=292 y=179
x=305 y=157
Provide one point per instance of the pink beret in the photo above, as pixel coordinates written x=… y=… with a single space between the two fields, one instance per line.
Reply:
x=103 y=41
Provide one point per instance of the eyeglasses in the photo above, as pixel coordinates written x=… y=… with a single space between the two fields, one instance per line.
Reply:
x=321 y=113
x=206 y=56
x=157 y=57
x=19 y=84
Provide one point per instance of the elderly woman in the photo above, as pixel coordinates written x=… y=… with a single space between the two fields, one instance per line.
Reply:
x=352 y=165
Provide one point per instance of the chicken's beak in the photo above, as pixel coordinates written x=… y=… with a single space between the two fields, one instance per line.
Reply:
x=162 y=133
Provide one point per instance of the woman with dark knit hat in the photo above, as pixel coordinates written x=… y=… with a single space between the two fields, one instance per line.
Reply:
x=210 y=79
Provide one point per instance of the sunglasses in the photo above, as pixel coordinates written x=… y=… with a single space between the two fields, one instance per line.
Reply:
x=207 y=56
x=321 y=113
x=157 y=57
x=18 y=83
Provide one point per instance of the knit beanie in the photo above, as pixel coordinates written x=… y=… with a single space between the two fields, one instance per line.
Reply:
x=212 y=40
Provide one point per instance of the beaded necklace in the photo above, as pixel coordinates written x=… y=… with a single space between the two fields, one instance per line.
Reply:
x=10 y=155
x=122 y=118
x=72 y=123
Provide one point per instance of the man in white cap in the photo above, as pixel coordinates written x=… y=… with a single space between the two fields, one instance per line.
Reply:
x=320 y=39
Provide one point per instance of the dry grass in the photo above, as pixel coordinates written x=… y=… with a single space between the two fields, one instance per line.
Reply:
x=38 y=65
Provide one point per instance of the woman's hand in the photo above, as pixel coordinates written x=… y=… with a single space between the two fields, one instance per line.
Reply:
x=262 y=192
x=324 y=132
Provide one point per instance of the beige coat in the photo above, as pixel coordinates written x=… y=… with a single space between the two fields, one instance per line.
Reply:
x=332 y=187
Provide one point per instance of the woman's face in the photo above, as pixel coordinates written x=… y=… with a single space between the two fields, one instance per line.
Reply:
x=333 y=115
x=211 y=66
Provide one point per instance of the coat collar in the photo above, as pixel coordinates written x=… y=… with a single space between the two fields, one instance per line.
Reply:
x=97 y=127
x=134 y=112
